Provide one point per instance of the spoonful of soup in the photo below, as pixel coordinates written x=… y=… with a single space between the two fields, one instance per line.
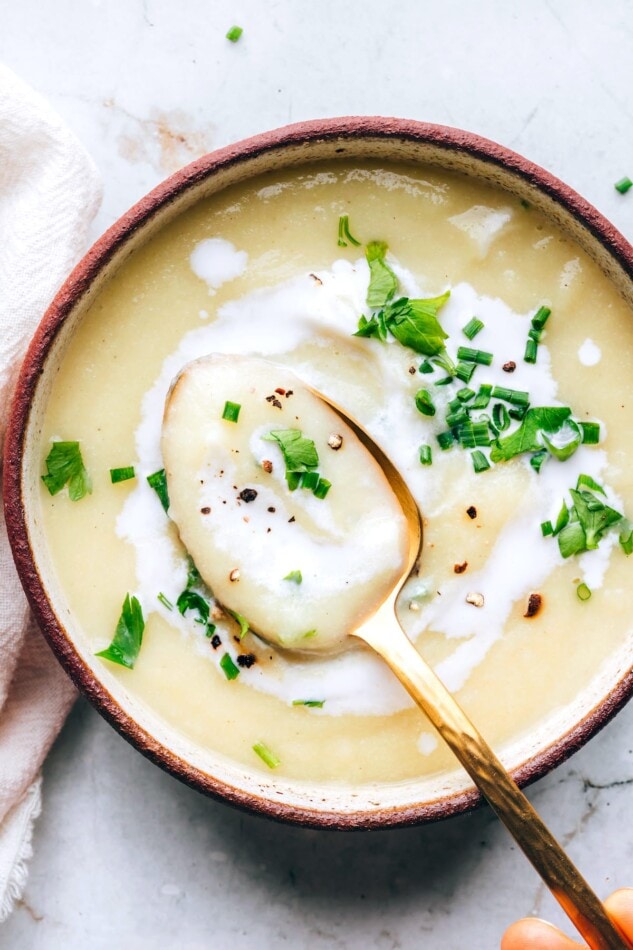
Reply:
x=243 y=439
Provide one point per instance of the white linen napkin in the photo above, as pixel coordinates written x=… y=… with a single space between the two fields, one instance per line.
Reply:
x=49 y=194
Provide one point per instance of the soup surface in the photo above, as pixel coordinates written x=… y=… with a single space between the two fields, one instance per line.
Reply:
x=493 y=605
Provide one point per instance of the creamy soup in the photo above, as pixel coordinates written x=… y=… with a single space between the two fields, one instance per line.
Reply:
x=493 y=604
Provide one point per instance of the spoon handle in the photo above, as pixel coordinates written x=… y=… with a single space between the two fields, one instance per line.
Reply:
x=386 y=637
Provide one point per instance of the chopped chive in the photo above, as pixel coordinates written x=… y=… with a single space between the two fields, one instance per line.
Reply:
x=536 y=460
x=465 y=394
x=426 y=456
x=293 y=479
x=590 y=432
x=210 y=630
x=309 y=480
x=234 y=33
x=266 y=755
x=445 y=440
x=313 y=703
x=535 y=335
x=231 y=671
x=531 y=347
x=344 y=234
x=516 y=397
x=231 y=411
x=472 y=328
x=158 y=481
x=583 y=592
x=518 y=412
x=473 y=434
x=470 y=355
x=500 y=416
x=540 y=318
x=121 y=474
x=445 y=381
x=424 y=403
x=464 y=371
x=623 y=185
x=295 y=576
x=322 y=488
x=457 y=418
x=483 y=397
x=426 y=368
x=547 y=528
x=480 y=462
x=165 y=601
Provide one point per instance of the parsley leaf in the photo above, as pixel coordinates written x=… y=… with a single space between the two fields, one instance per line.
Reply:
x=383 y=283
x=300 y=454
x=414 y=323
x=375 y=327
x=527 y=438
x=295 y=576
x=190 y=600
x=65 y=466
x=583 y=525
x=243 y=622
x=128 y=635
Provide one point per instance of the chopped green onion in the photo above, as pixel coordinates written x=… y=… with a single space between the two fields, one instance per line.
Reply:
x=426 y=368
x=464 y=371
x=518 y=412
x=623 y=185
x=231 y=411
x=535 y=335
x=500 y=416
x=515 y=397
x=480 y=462
x=547 y=529
x=426 y=456
x=540 y=318
x=313 y=703
x=268 y=757
x=210 y=630
x=473 y=434
x=590 y=432
x=531 y=348
x=293 y=479
x=583 y=592
x=158 y=481
x=121 y=474
x=424 y=403
x=470 y=355
x=457 y=418
x=322 y=488
x=483 y=397
x=231 y=671
x=465 y=394
x=344 y=234
x=165 y=601
x=295 y=576
x=445 y=381
x=234 y=33
x=445 y=440
x=309 y=480
x=472 y=328
x=536 y=460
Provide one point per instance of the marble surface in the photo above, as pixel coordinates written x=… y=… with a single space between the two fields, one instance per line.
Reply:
x=124 y=855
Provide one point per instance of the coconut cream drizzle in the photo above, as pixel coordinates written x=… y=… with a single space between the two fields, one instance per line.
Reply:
x=302 y=321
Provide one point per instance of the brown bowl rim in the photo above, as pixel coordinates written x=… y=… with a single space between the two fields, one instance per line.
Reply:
x=79 y=281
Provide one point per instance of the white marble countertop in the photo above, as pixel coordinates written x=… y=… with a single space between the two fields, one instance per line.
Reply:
x=125 y=856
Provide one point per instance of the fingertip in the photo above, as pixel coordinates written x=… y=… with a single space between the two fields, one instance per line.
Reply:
x=536 y=934
x=619 y=906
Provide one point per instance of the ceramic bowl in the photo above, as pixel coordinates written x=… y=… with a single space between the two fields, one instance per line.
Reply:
x=409 y=802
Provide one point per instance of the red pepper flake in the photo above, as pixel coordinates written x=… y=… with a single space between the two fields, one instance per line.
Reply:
x=215 y=641
x=535 y=602
x=282 y=392
x=246 y=660
x=205 y=511
x=460 y=568
x=471 y=512
x=509 y=367
x=267 y=465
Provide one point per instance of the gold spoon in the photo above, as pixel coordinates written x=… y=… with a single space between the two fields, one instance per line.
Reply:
x=383 y=633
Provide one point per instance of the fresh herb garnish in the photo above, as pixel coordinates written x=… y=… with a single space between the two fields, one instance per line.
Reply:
x=312 y=703
x=344 y=233
x=623 y=185
x=234 y=33
x=191 y=600
x=128 y=635
x=122 y=474
x=383 y=283
x=470 y=355
x=414 y=323
x=294 y=576
x=322 y=488
x=299 y=453
x=158 y=481
x=583 y=592
x=424 y=403
x=231 y=411
x=538 y=321
x=242 y=621
x=480 y=462
x=472 y=328
x=582 y=525
x=165 y=601
x=65 y=466
x=426 y=455
x=268 y=757
x=527 y=438
x=231 y=671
